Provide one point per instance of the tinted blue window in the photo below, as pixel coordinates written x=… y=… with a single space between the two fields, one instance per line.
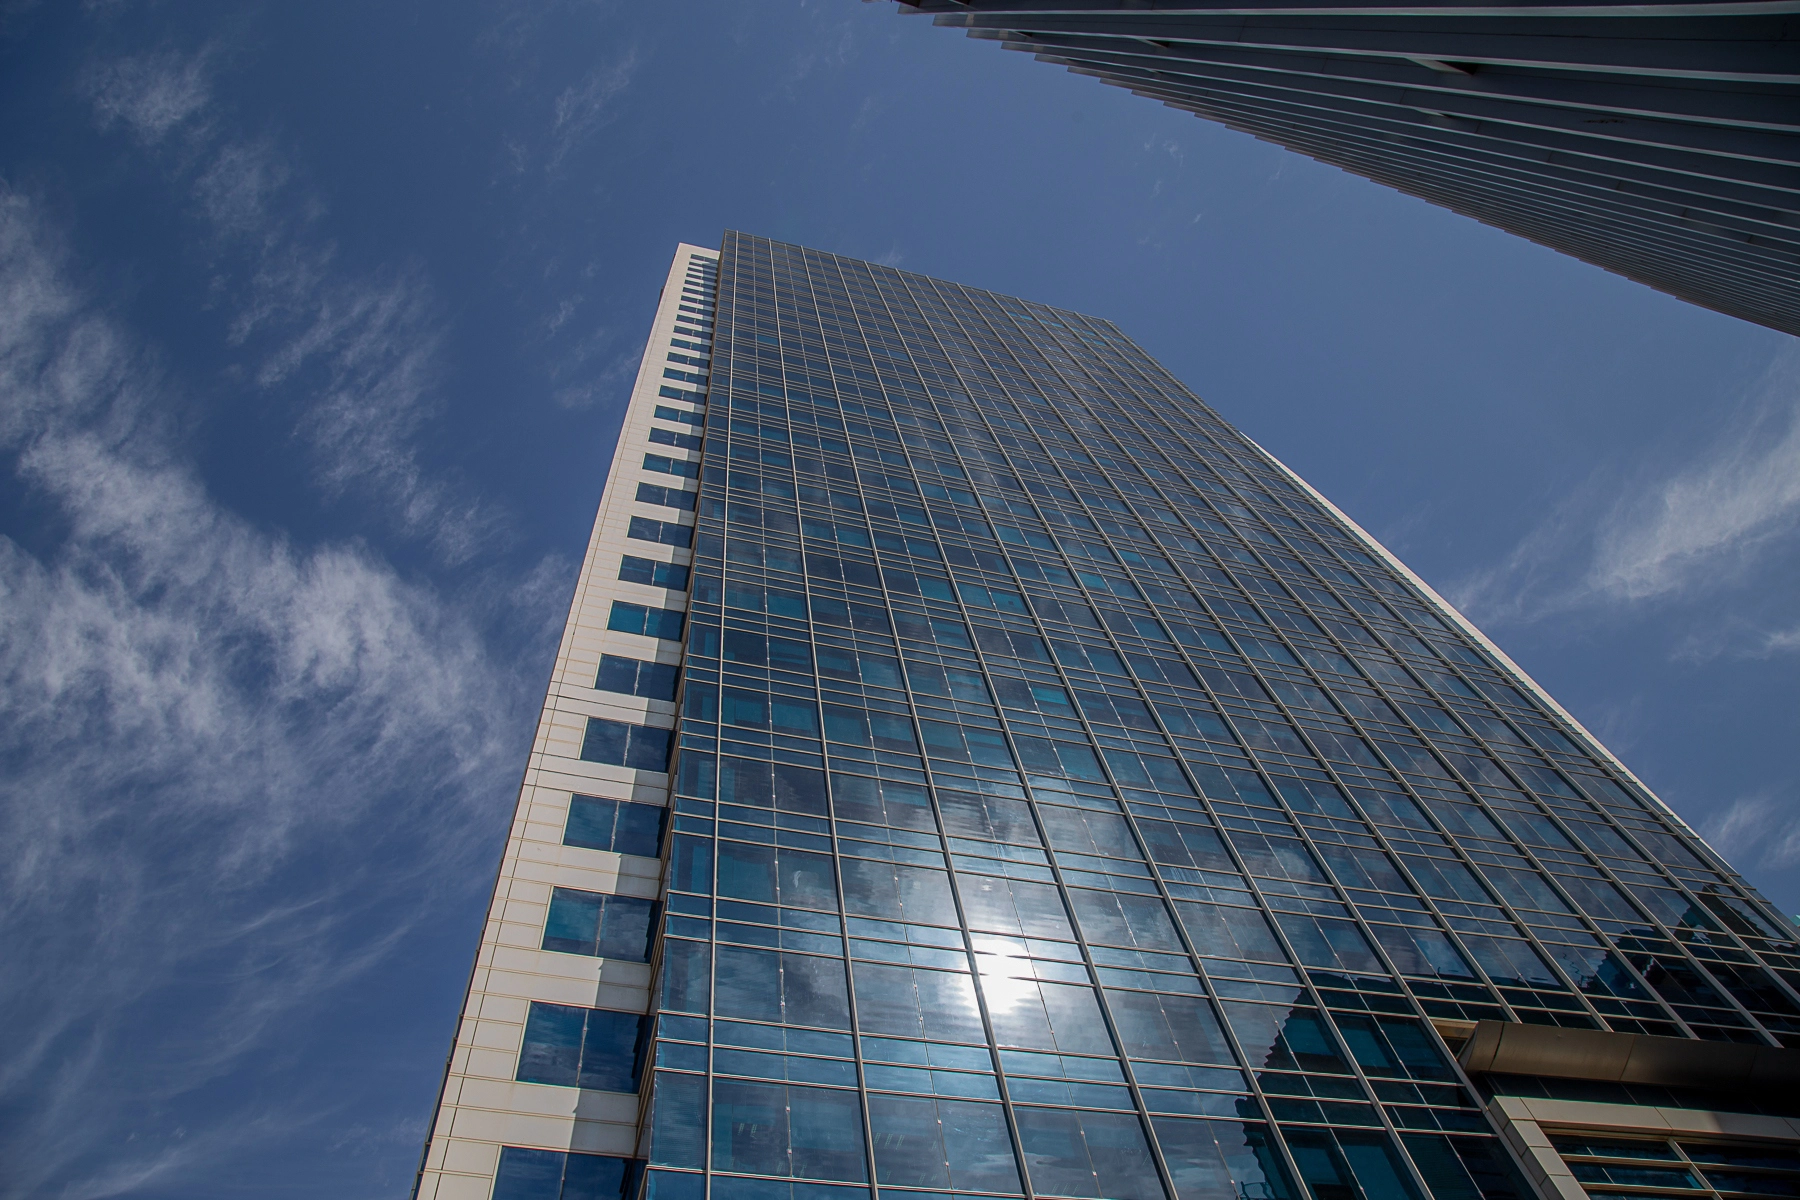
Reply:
x=651 y=622
x=529 y=1174
x=1088 y=1154
x=597 y=1177
x=555 y=1175
x=609 y=1051
x=617 y=825
x=1214 y=1158
x=668 y=437
x=552 y=1049
x=639 y=829
x=764 y=985
x=776 y=1129
x=674 y=1185
x=668 y=497
x=690 y=866
x=678 y=1121
x=1465 y=1168
x=686 y=976
x=771 y=785
x=580 y=1047
x=671 y=466
x=1337 y=1162
x=601 y=925
x=665 y=413
x=634 y=677
x=668 y=533
x=642 y=747
x=656 y=574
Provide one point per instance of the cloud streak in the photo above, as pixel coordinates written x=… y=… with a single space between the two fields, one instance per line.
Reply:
x=230 y=765
x=149 y=94
x=582 y=108
x=356 y=353
x=1759 y=831
x=1705 y=527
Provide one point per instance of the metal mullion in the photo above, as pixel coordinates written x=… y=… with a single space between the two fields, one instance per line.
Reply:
x=1275 y=925
x=1152 y=1143
x=1653 y=264
x=1456 y=846
x=1187 y=943
x=962 y=916
x=1460 y=850
x=837 y=865
x=1488 y=36
x=1531 y=90
x=1309 y=113
x=1087 y=957
x=1599 y=862
x=1262 y=899
x=843 y=936
x=1362 y=922
x=1595 y=860
x=1355 y=101
x=1684 y=889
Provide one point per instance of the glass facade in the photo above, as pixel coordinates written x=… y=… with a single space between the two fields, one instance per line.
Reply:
x=1067 y=802
x=1654 y=139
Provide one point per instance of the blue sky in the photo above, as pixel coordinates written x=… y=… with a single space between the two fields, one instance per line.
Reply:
x=316 y=325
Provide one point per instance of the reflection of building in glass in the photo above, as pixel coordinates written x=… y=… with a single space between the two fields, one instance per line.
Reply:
x=996 y=776
x=1657 y=140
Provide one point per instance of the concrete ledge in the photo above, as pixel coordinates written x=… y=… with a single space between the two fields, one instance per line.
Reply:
x=1502 y=1047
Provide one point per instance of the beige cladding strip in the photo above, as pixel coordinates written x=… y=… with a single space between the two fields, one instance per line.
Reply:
x=482 y=1107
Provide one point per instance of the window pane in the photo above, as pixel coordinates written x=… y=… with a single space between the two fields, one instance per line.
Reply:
x=606 y=741
x=552 y=1049
x=597 y=1177
x=617 y=674
x=639 y=830
x=1208 y=1159
x=678 y=1121
x=529 y=1174
x=591 y=821
x=609 y=1051
x=626 y=928
x=826 y=1134
x=573 y=926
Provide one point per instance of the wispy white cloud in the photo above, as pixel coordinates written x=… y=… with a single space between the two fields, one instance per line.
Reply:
x=1782 y=641
x=1714 y=515
x=1707 y=526
x=215 y=744
x=832 y=47
x=149 y=94
x=582 y=108
x=1760 y=831
x=355 y=353
x=365 y=354
x=239 y=187
x=578 y=384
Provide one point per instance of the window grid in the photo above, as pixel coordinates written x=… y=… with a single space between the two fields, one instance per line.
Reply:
x=862 y=306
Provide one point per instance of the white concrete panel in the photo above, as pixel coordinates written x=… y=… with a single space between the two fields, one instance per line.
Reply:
x=482 y=1108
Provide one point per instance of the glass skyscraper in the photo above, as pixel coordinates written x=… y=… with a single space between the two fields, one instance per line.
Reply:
x=972 y=768
x=1657 y=139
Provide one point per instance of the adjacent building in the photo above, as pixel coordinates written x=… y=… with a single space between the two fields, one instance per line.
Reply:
x=973 y=768
x=1659 y=140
